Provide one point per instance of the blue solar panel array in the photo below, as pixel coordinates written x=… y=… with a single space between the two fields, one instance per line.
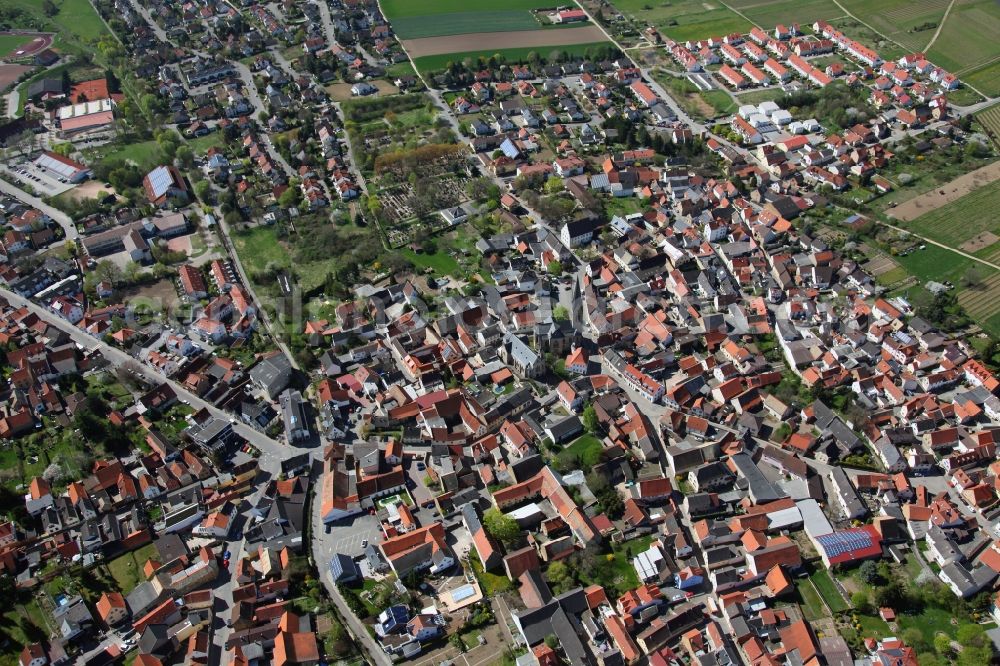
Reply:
x=838 y=543
x=160 y=180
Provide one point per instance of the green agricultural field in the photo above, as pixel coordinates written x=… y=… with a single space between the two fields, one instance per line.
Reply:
x=990 y=119
x=259 y=247
x=985 y=79
x=912 y=24
x=439 y=25
x=395 y=9
x=685 y=19
x=436 y=63
x=962 y=219
x=770 y=13
x=412 y=20
x=969 y=37
x=935 y=263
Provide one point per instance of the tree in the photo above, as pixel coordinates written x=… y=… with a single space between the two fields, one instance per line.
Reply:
x=555 y=268
x=290 y=198
x=185 y=156
x=560 y=313
x=560 y=577
x=942 y=644
x=589 y=418
x=202 y=190
x=860 y=601
x=49 y=8
x=502 y=528
x=868 y=572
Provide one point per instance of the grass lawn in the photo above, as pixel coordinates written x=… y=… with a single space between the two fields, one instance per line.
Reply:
x=77 y=24
x=404 y=68
x=127 y=569
x=758 y=96
x=145 y=154
x=619 y=576
x=828 y=590
x=588 y=449
x=812 y=605
x=930 y=621
x=893 y=276
x=872 y=626
x=259 y=247
x=23 y=624
x=441 y=262
x=720 y=100
x=434 y=63
x=623 y=206
x=201 y=144
x=491 y=583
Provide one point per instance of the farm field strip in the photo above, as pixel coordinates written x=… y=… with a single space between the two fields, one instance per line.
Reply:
x=440 y=25
x=962 y=219
x=945 y=194
x=983 y=300
x=769 y=14
x=395 y=9
x=969 y=36
x=490 y=42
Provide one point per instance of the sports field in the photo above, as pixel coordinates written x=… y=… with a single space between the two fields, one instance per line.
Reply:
x=8 y=43
x=413 y=19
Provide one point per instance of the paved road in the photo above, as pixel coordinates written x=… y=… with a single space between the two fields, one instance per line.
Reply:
x=696 y=127
x=269 y=448
x=62 y=218
x=323 y=547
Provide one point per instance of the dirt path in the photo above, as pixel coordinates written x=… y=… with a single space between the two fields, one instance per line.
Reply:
x=940 y=25
x=487 y=41
x=945 y=194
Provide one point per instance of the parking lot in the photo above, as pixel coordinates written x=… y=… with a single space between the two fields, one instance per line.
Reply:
x=347 y=536
x=44 y=183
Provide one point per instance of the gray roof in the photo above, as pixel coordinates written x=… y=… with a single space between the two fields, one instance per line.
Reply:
x=272 y=373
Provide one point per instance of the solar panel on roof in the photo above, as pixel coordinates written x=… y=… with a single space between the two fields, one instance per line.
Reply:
x=160 y=181
x=838 y=543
